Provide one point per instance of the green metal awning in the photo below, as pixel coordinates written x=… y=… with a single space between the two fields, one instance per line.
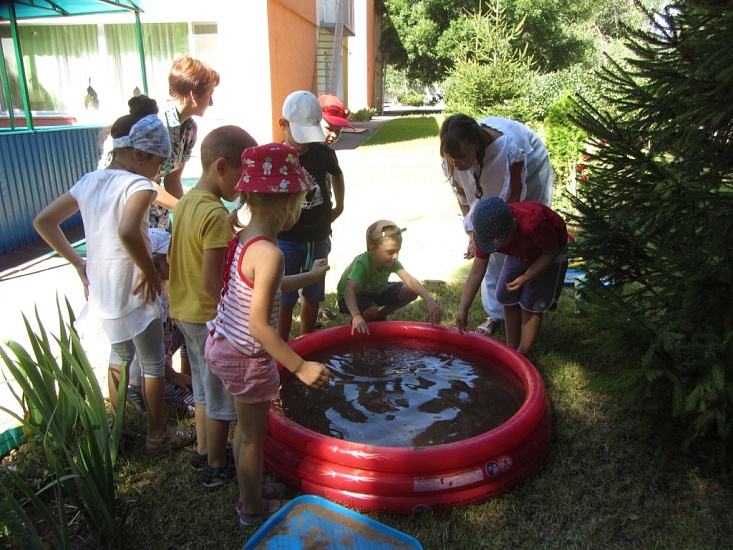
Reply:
x=31 y=9
x=14 y=10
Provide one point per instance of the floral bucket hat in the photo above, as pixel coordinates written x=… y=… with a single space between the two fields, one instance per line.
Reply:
x=272 y=168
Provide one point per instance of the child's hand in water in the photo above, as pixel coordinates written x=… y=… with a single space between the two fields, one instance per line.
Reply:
x=320 y=267
x=313 y=374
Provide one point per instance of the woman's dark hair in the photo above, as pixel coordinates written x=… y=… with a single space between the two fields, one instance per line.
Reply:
x=140 y=107
x=456 y=131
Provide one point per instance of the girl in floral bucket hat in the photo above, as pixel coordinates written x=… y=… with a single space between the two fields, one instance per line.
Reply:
x=244 y=344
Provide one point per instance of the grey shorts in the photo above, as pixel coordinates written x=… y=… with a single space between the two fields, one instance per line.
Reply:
x=207 y=387
x=538 y=295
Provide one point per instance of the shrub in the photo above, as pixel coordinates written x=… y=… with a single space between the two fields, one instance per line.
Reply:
x=363 y=115
x=564 y=140
x=413 y=99
x=64 y=410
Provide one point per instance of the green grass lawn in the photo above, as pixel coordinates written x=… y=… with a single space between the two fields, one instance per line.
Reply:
x=600 y=486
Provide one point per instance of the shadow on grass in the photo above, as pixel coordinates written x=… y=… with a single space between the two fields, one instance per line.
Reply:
x=405 y=129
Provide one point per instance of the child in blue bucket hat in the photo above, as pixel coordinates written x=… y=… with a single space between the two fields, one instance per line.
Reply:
x=535 y=241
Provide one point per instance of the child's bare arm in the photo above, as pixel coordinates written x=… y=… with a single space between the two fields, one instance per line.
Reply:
x=339 y=190
x=358 y=323
x=473 y=282
x=264 y=262
x=212 y=264
x=134 y=211
x=291 y=283
x=47 y=223
x=432 y=309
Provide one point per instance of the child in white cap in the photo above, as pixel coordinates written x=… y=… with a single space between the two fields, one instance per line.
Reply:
x=364 y=290
x=244 y=343
x=310 y=238
x=535 y=240
x=119 y=277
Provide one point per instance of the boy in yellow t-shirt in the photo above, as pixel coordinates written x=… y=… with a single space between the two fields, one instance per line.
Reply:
x=197 y=252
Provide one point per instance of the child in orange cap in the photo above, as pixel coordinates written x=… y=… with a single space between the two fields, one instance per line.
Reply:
x=335 y=117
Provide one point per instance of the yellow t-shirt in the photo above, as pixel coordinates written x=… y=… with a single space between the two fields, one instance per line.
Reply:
x=201 y=223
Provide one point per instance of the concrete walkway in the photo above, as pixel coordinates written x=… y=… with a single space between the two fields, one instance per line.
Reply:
x=410 y=191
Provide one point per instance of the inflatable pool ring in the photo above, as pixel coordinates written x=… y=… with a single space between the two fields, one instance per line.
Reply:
x=404 y=479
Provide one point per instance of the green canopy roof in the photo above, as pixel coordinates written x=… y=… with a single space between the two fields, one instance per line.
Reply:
x=14 y=10
x=29 y=9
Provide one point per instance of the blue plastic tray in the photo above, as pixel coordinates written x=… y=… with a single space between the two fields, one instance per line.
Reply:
x=309 y=521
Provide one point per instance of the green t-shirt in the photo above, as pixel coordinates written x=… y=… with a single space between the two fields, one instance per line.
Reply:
x=367 y=277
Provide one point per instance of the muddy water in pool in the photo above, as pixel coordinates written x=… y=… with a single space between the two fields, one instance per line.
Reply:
x=404 y=393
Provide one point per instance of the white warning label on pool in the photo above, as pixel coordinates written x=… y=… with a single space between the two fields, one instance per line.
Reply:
x=445 y=483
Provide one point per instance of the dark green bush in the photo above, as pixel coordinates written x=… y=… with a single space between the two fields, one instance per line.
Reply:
x=413 y=99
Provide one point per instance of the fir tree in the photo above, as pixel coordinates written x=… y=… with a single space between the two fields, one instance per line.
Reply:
x=655 y=221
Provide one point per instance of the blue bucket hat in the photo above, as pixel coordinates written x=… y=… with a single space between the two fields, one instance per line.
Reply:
x=492 y=223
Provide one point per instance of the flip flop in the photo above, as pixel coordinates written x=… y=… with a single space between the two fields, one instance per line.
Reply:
x=488 y=327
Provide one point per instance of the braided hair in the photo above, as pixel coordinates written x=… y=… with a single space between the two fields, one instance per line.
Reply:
x=455 y=132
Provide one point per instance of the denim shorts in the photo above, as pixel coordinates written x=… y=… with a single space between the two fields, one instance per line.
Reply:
x=207 y=387
x=299 y=258
x=249 y=379
x=538 y=295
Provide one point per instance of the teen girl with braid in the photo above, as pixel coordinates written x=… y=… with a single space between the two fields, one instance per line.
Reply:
x=493 y=157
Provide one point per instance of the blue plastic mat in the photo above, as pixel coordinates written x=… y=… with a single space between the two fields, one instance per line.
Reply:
x=309 y=522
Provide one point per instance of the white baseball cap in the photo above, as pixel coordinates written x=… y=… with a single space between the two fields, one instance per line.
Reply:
x=302 y=110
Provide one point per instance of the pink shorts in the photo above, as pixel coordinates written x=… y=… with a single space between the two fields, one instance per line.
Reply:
x=249 y=379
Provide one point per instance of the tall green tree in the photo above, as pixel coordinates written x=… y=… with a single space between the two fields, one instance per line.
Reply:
x=488 y=70
x=419 y=36
x=656 y=228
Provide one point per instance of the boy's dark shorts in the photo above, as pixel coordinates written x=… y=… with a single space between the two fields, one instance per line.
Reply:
x=383 y=296
x=538 y=295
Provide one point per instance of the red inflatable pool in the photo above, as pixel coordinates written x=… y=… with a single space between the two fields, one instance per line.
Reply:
x=404 y=479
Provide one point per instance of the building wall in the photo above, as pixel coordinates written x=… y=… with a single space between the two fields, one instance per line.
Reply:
x=362 y=57
x=293 y=48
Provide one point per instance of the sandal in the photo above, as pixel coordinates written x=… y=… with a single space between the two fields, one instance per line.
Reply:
x=215 y=478
x=198 y=460
x=256 y=519
x=174 y=437
x=488 y=327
